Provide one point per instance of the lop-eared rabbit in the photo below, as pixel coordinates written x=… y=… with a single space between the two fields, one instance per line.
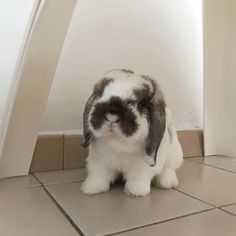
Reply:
x=129 y=131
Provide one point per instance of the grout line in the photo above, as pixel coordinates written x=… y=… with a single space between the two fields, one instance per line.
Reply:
x=216 y=167
x=46 y=171
x=226 y=205
x=135 y=228
x=63 y=152
x=194 y=162
x=212 y=165
x=156 y=223
x=189 y=159
x=73 y=224
x=227 y=212
x=67 y=182
x=195 y=198
x=214 y=207
x=163 y=221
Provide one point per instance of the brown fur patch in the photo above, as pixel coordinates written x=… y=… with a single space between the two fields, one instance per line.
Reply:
x=152 y=105
x=97 y=92
x=100 y=86
x=157 y=125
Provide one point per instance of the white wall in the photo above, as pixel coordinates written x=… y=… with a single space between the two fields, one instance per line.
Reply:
x=219 y=77
x=160 y=38
x=14 y=19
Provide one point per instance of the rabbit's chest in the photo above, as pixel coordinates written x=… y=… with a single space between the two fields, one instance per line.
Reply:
x=121 y=161
x=118 y=157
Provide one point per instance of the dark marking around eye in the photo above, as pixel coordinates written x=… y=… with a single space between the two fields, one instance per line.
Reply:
x=97 y=92
x=143 y=97
x=130 y=102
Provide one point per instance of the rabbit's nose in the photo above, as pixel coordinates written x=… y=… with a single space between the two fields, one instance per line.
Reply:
x=112 y=118
x=114 y=110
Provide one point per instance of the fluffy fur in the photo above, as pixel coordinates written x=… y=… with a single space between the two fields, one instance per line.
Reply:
x=129 y=131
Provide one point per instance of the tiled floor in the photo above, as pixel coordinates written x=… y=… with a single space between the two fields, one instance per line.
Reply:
x=51 y=203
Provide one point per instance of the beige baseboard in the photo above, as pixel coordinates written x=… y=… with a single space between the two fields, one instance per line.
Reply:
x=64 y=151
x=191 y=142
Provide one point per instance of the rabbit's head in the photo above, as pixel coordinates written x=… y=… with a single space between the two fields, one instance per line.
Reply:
x=126 y=106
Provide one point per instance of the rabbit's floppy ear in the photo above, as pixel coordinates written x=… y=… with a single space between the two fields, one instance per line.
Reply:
x=157 y=125
x=88 y=136
x=97 y=93
x=157 y=122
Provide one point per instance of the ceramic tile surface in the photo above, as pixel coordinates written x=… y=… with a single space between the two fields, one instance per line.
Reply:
x=114 y=211
x=203 y=204
x=61 y=176
x=228 y=166
x=23 y=181
x=207 y=183
x=211 y=160
x=29 y=211
x=231 y=209
x=209 y=223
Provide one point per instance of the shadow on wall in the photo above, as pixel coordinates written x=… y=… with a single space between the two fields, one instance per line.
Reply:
x=160 y=38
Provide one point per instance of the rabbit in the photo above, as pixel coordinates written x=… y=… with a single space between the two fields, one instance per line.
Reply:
x=129 y=131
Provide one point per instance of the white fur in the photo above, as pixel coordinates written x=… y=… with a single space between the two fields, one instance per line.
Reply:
x=112 y=153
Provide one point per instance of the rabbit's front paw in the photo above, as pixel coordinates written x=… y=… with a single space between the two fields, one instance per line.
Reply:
x=93 y=186
x=137 y=189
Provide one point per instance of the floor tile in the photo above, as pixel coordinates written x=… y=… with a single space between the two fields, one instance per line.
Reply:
x=114 y=211
x=229 y=166
x=207 y=183
x=23 y=181
x=61 y=176
x=210 y=160
x=231 y=209
x=29 y=211
x=213 y=222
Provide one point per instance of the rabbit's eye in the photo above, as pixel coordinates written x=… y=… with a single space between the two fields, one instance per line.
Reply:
x=144 y=102
x=130 y=102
